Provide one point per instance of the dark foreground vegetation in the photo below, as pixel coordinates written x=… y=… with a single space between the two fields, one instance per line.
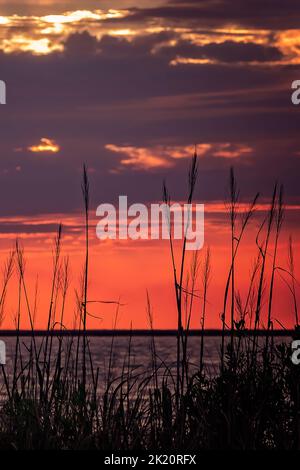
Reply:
x=55 y=401
x=248 y=405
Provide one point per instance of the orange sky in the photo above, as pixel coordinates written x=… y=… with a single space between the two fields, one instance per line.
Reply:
x=126 y=269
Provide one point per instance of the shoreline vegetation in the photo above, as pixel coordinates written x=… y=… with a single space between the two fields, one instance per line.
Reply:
x=51 y=400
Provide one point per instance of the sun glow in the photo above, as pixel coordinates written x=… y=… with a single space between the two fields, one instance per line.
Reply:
x=4 y=20
x=45 y=145
x=42 y=35
x=164 y=156
x=71 y=17
x=26 y=44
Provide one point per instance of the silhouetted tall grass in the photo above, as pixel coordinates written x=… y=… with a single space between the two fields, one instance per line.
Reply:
x=54 y=401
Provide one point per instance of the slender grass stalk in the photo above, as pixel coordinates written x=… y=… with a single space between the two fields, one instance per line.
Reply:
x=7 y=273
x=206 y=273
x=263 y=250
x=56 y=257
x=21 y=269
x=17 y=345
x=190 y=296
x=234 y=197
x=152 y=343
x=293 y=283
x=235 y=243
x=166 y=198
x=178 y=280
x=86 y=199
x=278 y=225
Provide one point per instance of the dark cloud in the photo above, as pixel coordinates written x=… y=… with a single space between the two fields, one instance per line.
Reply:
x=42 y=228
x=81 y=44
x=269 y=14
x=227 y=51
x=114 y=48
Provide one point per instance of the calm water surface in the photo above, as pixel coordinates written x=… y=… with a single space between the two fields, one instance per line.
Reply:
x=140 y=353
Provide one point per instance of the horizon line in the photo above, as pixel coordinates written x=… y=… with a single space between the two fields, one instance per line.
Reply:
x=145 y=332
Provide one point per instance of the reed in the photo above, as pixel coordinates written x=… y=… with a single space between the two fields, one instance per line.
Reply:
x=55 y=398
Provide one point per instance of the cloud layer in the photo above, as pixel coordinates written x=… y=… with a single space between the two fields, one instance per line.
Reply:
x=130 y=89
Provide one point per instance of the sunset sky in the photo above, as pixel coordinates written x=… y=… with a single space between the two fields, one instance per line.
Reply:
x=129 y=87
